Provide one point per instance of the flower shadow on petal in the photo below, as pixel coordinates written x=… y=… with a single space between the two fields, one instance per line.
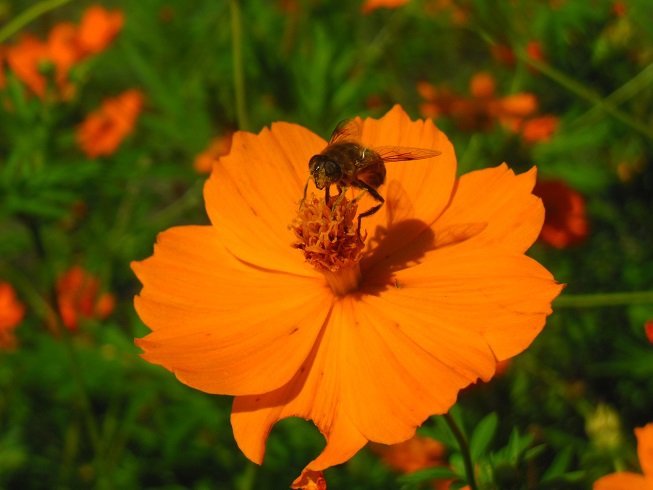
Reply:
x=400 y=234
x=387 y=258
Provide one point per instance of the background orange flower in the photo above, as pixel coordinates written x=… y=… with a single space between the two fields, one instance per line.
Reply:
x=103 y=131
x=625 y=480
x=25 y=59
x=66 y=45
x=78 y=296
x=481 y=111
x=416 y=453
x=98 y=28
x=218 y=147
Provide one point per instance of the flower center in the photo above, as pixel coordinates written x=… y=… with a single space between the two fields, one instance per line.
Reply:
x=328 y=235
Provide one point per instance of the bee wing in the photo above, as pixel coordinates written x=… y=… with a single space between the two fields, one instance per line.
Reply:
x=403 y=154
x=346 y=130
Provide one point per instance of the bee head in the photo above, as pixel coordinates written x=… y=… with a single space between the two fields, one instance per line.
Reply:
x=324 y=171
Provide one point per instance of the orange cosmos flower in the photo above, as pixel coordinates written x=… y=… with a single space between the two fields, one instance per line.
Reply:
x=625 y=480
x=64 y=54
x=371 y=5
x=66 y=46
x=539 y=129
x=98 y=28
x=25 y=58
x=217 y=147
x=565 y=223
x=78 y=296
x=416 y=453
x=104 y=130
x=365 y=337
x=483 y=109
x=12 y=312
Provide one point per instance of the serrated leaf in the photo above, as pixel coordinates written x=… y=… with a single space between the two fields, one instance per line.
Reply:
x=483 y=435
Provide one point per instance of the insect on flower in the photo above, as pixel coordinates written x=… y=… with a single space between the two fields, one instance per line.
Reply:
x=346 y=162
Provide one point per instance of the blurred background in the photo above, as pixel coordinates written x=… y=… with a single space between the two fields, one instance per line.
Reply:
x=111 y=115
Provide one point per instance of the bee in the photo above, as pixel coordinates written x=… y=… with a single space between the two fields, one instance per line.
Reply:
x=345 y=163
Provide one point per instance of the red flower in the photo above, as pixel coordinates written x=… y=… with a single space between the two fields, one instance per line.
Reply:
x=12 y=312
x=565 y=221
x=371 y=5
x=78 y=295
x=648 y=328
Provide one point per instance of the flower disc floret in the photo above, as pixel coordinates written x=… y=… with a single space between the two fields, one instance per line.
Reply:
x=328 y=234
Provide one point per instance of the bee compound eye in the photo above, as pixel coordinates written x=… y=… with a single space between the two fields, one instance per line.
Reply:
x=313 y=163
x=332 y=170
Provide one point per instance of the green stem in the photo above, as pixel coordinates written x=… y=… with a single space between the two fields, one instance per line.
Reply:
x=464 y=450
x=239 y=77
x=627 y=91
x=603 y=299
x=578 y=89
x=248 y=477
x=76 y=367
x=28 y=16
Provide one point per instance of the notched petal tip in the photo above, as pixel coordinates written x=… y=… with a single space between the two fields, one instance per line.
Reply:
x=310 y=480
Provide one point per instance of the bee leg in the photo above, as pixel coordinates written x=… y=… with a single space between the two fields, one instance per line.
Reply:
x=373 y=192
x=340 y=197
x=301 y=203
x=327 y=195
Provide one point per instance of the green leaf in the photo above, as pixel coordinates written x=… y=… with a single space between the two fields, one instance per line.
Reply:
x=435 y=473
x=559 y=464
x=483 y=435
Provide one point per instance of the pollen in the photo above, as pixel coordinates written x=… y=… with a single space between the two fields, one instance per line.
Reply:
x=329 y=237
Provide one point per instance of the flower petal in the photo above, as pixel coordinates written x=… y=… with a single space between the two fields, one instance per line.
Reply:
x=419 y=189
x=499 y=294
x=314 y=393
x=251 y=201
x=403 y=366
x=220 y=325
x=621 y=481
x=645 y=449
x=501 y=199
x=428 y=182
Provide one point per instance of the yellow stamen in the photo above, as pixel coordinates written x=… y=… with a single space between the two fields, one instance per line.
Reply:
x=330 y=239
